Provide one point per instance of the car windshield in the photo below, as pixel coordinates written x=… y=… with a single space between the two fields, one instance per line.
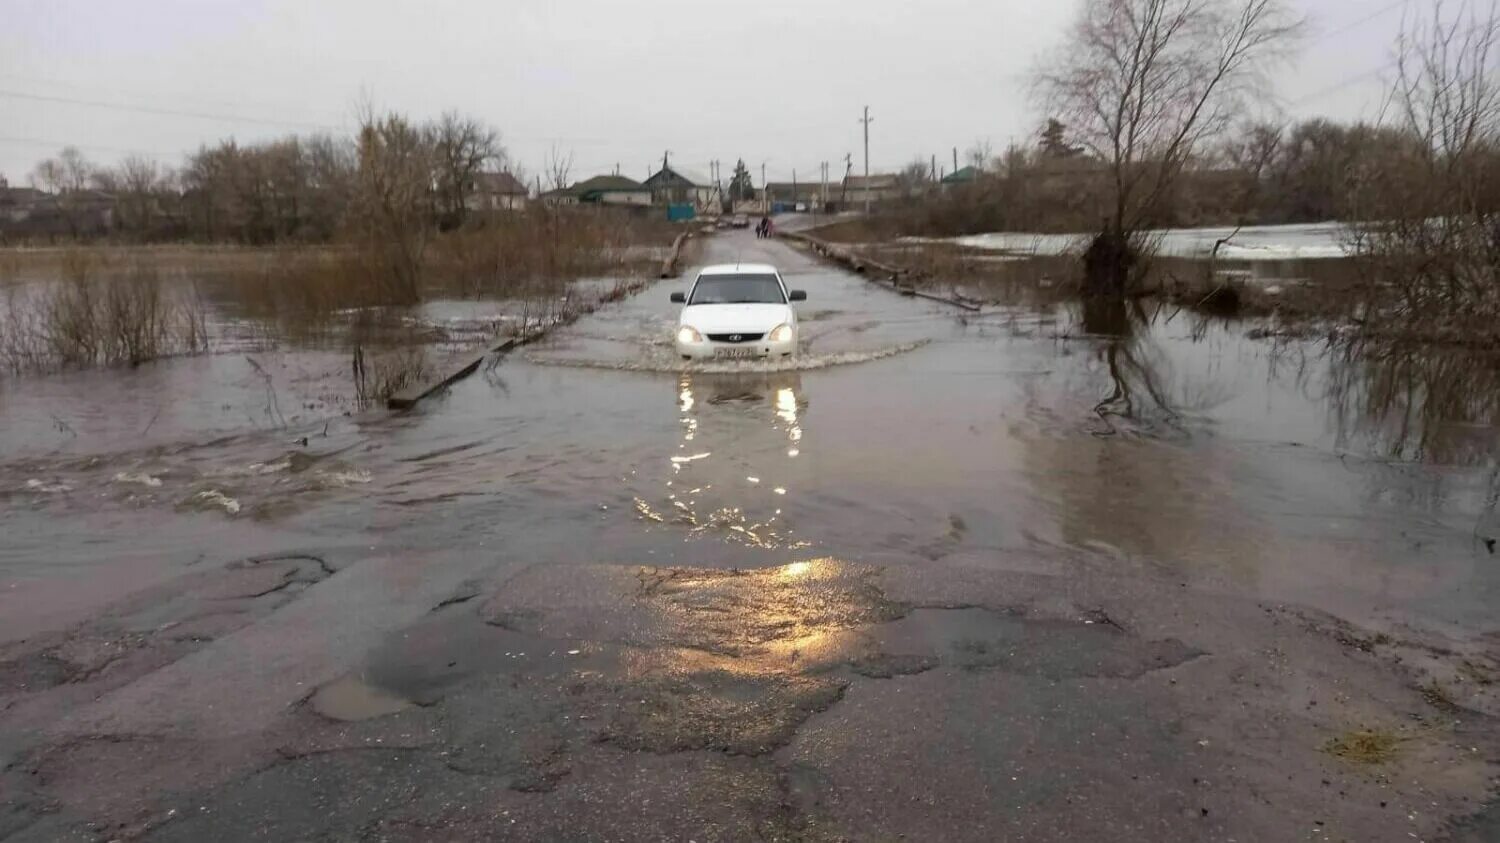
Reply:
x=738 y=289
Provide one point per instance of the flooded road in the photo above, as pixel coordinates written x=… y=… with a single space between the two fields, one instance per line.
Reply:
x=527 y=608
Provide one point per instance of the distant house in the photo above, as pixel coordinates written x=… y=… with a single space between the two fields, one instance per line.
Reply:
x=496 y=192
x=809 y=194
x=965 y=176
x=857 y=190
x=17 y=204
x=26 y=211
x=670 y=186
x=611 y=190
x=559 y=196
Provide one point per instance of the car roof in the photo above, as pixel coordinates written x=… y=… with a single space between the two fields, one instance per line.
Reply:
x=739 y=269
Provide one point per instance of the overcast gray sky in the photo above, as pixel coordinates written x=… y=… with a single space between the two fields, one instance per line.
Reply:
x=775 y=81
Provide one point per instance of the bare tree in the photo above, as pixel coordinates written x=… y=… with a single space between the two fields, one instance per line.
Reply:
x=915 y=176
x=1433 y=207
x=559 y=168
x=204 y=184
x=1143 y=84
x=980 y=155
x=464 y=148
x=329 y=168
x=48 y=175
x=136 y=182
x=66 y=177
x=77 y=170
x=391 y=200
x=1446 y=92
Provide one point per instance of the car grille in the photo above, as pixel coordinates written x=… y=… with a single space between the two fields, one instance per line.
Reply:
x=735 y=337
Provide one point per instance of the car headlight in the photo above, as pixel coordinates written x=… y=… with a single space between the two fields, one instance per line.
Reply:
x=781 y=333
x=688 y=334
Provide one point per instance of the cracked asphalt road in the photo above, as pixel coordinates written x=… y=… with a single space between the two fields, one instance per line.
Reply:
x=548 y=618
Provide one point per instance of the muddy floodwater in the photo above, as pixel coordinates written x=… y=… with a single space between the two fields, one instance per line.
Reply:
x=1016 y=517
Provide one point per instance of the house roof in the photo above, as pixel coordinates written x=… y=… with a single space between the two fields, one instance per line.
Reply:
x=876 y=182
x=964 y=176
x=607 y=184
x=799 y=189
x=502 y=183
x=674 y=176
x=21 y=195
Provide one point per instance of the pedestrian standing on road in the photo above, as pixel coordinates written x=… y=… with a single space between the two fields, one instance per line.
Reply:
x=768 y=224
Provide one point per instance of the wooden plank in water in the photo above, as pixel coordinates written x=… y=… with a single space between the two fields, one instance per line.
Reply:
x=408 y=398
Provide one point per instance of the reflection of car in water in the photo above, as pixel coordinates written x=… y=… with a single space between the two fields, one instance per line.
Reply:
x=742 y=387
x=746 y=394
x=737 y=311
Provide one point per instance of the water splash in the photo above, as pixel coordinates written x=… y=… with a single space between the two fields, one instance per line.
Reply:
x=142 y=478
x=214 y=499
x=800 y=363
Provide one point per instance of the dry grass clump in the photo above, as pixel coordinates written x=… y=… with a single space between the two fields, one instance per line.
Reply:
x=93 y=318
x=523 y=254
x=382 y=374
x=1364 y=746
x=307 y=287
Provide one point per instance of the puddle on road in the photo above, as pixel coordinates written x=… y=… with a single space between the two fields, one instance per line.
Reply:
x=350 y=699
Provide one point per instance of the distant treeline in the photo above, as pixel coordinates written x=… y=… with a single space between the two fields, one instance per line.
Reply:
x=293 y=189
x=1262 y=174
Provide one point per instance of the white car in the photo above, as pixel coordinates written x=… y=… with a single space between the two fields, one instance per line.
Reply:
x=737 y=311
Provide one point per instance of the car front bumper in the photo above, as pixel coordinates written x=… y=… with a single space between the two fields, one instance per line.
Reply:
x=757 y=350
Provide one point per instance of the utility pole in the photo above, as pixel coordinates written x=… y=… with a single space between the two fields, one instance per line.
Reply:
x=848 y=168
x=794 y=188
x=934 y=168
x=866 y=120
x=955 y=159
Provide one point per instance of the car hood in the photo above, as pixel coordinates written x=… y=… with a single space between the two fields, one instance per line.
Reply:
x=736 y=318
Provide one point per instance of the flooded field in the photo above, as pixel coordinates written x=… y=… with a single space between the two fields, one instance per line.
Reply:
x=1312 y=241
x=725 y=543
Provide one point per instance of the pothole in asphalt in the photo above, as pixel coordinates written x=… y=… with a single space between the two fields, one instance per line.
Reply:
x=350 y=699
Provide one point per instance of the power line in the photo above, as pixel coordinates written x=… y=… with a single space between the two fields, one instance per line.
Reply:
x=55 y=144
x=191 y=100
x=1360 y=22
x=167 y=112
x=1360 y=77
x=1341 y=85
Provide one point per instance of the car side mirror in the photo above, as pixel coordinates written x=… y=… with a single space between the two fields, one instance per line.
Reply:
x=679 y=298
x=798 y=295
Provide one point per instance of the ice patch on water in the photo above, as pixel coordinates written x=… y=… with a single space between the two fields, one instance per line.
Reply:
x=800 y=363
x=143 y=478
x=1315 y=241
x=35 y=485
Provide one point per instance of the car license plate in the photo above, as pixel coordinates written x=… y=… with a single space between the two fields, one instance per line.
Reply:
x=734 y=353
